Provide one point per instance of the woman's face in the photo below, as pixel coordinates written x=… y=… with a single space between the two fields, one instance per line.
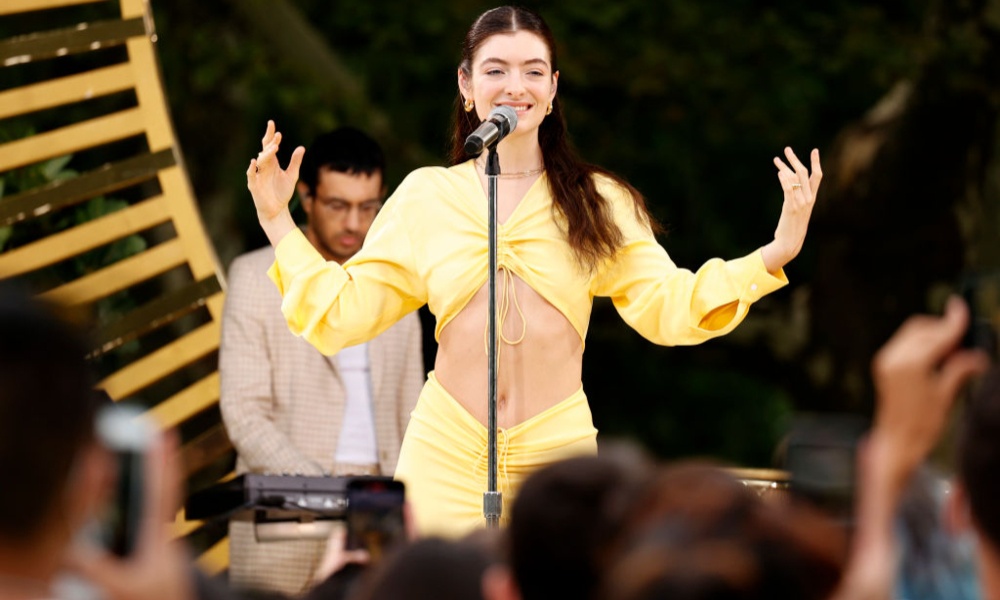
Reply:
x=512 y=69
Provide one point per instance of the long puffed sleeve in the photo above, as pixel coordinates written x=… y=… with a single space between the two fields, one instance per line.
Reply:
x=333 y=306
x=669 y=305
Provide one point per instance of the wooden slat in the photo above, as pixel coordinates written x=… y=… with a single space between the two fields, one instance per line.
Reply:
x=181 y=527
x=135 y=8
x=759 y=474
x=106 y=179
x=10 y=7
x=206 y=449
x=187 y=403
x=85 y=37
x=159 y=135
x=81 y=238
x=66 y=90
x=155 y=314
x=72 y=138
x=173 y=181
x=227 y=477
x=216 y=559
x=157 y=365
x=189 y=227
x=149 y=93
x=110 y=280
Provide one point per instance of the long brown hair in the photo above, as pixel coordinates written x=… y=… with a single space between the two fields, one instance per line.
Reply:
x=593 y=234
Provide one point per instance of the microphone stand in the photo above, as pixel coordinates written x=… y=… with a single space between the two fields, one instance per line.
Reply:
x=492 y=498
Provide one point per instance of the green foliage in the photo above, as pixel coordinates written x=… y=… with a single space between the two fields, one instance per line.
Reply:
x=688 y=100
x=107 y=309
x=110 y=254
x=13 y=236
x=706 y=400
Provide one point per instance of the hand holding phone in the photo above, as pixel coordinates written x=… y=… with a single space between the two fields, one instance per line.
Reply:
x=158 y=566
x=127 y=435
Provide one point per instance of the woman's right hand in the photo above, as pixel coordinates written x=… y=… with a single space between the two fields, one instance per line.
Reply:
x=271 y=186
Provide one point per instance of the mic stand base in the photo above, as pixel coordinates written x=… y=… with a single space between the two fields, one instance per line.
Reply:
x=492 y=508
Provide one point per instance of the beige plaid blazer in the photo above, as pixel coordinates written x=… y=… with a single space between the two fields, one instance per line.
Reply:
x=283 y=406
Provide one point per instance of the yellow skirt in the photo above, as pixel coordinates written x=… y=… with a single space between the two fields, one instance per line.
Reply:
x=444 y=458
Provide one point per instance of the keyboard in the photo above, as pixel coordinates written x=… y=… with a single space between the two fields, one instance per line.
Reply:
x=271 y=498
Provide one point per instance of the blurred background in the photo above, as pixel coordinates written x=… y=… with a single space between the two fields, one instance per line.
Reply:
x=689 y=101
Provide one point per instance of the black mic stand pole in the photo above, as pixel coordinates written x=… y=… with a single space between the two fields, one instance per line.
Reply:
x=492 y=498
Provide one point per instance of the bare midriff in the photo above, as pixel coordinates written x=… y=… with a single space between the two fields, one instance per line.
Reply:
x=535 y=373
x=537 y=369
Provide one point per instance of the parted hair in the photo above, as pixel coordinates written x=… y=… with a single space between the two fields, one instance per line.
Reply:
x=592 y=233
x=344 y=150
x=565 y=516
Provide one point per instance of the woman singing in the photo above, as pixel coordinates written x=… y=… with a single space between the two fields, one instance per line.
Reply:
x=567 y=232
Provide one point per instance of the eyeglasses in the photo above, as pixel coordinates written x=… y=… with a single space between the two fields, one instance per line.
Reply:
x=340 y=209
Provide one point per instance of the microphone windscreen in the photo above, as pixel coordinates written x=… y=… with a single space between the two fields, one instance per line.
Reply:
x=507 y=113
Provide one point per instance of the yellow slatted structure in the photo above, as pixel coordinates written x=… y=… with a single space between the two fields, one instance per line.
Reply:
x=72 y=242
x=10 y=7
x=108 y=224
x=187 y=403
x=214 y=560
x=74 y=138
x=145 y=371
x=119 y=276
x=65 y=90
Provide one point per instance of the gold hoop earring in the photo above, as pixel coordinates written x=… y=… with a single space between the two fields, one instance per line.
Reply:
x=469 y=104
x=548 y=111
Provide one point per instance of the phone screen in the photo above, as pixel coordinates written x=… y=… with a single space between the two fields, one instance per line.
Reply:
x=981 y=293
x=374 y=514
x=126 y=434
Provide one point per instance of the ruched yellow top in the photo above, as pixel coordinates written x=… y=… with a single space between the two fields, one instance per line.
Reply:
x=429 y=245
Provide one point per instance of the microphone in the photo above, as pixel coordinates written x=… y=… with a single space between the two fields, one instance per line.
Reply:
x=502 y=120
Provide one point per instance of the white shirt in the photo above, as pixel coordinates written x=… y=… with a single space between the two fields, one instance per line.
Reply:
x=356 y=444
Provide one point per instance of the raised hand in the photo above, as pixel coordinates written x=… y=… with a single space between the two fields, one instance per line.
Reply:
x=271 y=186
x=800 y=188
x=918 y=374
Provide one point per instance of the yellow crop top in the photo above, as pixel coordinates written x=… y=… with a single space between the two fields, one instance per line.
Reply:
x=429 y=245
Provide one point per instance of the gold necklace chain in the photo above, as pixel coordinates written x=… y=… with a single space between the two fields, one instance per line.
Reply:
x=517 y=175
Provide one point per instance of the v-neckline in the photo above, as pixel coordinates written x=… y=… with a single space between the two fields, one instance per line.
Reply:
x=484 y=199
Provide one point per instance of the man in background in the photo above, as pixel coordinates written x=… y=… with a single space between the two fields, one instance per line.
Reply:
x=287 y=408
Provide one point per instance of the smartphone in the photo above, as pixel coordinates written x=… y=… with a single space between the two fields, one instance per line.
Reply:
x=127 y=434
x=981 y=293
x=375 y=514
x=821 y=459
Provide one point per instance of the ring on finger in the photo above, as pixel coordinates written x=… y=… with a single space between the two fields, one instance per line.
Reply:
x=796 y=186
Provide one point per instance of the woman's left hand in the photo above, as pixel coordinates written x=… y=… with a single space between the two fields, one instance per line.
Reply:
x=800 y=187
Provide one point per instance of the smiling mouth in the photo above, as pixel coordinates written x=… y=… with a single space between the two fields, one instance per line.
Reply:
x=519 y=108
